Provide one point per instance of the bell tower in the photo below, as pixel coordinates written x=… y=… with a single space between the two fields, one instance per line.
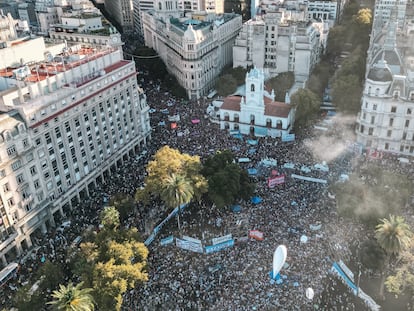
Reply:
x=254 y=87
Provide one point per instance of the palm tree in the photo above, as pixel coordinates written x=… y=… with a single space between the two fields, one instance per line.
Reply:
x=73 y=298
x=393 y=235
x=177 y=191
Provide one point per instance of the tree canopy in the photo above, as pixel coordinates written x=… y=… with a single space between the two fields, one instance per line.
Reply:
x=377 y=194
x=307 y=106
x=112 y=262
x=166 y=163
x=281 y=84
x=73 y=298
x=226 y=85
x=227 y=182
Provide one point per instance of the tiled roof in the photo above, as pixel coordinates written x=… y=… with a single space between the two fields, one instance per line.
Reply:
x=276 y=109
x=231 y=103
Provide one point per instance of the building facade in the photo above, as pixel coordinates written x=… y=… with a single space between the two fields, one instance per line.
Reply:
x=67 y=122
x=257 y=113
x=278 y=42
x=386 y=120
x=195 y=47
x=122 y=12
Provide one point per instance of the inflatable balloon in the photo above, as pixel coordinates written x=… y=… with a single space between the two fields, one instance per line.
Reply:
x=303 y=239
x=309 y=293
x=279 y=258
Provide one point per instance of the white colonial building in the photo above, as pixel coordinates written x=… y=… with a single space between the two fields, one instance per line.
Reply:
x=257 y=113
x=386 y=120
x=195 y=47
x=67 y=121
x=281 y=41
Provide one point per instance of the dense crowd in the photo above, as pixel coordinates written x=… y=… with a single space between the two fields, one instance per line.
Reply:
x=236 y=278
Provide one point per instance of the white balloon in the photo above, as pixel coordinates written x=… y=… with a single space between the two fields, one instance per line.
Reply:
x=303 y=239
x=279 y=258
x=309 y=293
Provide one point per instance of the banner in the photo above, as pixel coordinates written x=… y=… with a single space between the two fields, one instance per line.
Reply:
x=155 y=231
x=277 y=180
x=288 y=137
x=190 y=246
x=219 y=247
x=167 y=240
x=192 y=240
x=318 y=180
x=256 y=234
x=221 y=239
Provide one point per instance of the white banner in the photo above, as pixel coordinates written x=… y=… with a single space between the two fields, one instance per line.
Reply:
x=194 y=247
x=221 y=239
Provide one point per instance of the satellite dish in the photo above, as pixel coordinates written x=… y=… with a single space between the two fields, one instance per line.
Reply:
x=309 y=293
x=279 y=259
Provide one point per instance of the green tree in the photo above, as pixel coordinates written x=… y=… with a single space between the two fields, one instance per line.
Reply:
x=110 y=218
x=238 y=73
x=346 y=93
x=25 y=301
x=226 y=85
x=371 y=255
x=382 y=193
x=307 y=106
x=178 y=190
x=319 y=78
x=402 y=281
x=393 y=235
x=227 y=182
x=124 y=203
x=73 y=298
x=50 y=274
x=112 y=262
x=166 y=163
x=281 y=84
x=146 y=59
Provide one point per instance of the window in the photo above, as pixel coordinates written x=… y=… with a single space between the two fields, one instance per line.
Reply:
x=16 y=165
x=404 y=135
x=393 y=109
x=387 y=146
x=409 y=111
x=391 y=122
x=372 y=120
x=38 y=141
x=33 y=170
x=2 y=173
x=370 y=131
x=402 y=148
x=362 y=129
x=252 y=88
x=407 y=123
x=389 y=133
x=20 y=179
x=10 y=202
x=11 y=151
x=36 y=184
x=374 y=107
x=6 y=187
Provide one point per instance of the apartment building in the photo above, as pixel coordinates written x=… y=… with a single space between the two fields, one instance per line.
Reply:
x=67 y=121
x=122 y=12
x=281 y=41
x=195 y=47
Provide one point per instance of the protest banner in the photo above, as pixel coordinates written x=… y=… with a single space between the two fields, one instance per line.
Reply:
x=187 y=245
x=221 y=239
x=190 y=239
x=167 y=240
x=277 y=180
x=219 y=247
x=256 y=234
x=288 y=137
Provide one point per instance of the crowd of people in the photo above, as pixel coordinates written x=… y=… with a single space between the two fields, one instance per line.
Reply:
x=236 y=278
